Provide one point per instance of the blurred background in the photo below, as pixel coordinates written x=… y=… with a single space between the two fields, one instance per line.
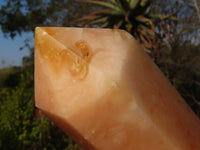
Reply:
x=169 y=32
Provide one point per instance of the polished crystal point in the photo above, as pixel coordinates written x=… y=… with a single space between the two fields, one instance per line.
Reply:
x=102 y=89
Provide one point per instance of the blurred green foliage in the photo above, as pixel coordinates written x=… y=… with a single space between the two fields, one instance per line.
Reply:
x=23 y=126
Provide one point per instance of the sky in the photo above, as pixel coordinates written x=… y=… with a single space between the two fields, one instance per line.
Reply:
x=10 y=53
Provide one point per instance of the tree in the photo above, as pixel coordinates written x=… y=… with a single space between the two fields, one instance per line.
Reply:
x=17 y=16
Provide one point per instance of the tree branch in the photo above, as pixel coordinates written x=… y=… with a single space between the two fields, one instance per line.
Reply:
x=197 y=9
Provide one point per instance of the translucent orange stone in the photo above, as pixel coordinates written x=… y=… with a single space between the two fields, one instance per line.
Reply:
x=101 y=88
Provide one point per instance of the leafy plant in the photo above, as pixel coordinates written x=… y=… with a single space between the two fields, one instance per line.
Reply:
x=135 y=16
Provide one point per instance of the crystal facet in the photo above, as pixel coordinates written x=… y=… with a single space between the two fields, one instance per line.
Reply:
x=103 y=90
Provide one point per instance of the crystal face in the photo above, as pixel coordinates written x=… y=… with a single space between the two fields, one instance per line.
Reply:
x=102 y=89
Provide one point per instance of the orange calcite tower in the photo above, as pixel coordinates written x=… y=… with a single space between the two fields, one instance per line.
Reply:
x=100 y=87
